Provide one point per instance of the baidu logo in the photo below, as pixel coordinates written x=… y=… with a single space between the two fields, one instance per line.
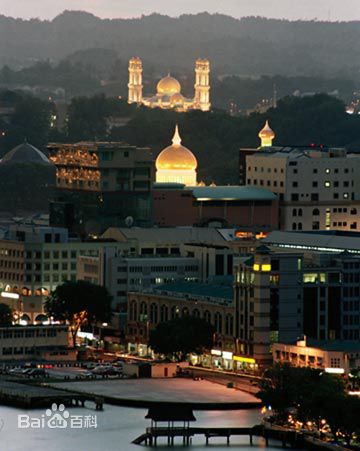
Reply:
x=57 y=418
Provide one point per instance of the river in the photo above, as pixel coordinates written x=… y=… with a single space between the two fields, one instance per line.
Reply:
x=116 y=428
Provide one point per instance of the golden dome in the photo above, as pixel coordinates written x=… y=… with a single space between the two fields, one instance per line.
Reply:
x=168 y=86
x=176 y=156
x=177 y=98
x=266 y=135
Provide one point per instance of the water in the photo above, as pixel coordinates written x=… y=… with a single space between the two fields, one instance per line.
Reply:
x=116 y=428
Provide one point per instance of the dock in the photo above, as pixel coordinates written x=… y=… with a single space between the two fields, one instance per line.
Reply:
x=171 y=422
x=28 y=396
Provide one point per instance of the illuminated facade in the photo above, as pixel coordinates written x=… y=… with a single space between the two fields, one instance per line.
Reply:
x=168 y=95
x=101 y=184
x=176 y=164
x=280 y=296
x=318 y=187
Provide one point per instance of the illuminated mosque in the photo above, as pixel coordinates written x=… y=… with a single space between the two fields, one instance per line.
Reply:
x=168 y=92
x=176 y=164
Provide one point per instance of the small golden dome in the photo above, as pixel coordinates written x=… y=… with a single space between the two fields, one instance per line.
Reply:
x=266 y=132
x=176 y=156
x=168 y=86
x=177 y=98
x=266 y=135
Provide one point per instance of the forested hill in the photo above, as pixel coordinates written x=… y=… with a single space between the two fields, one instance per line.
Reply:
x=248 y=46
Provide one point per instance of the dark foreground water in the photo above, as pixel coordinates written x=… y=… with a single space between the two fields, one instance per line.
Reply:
x=116 y=428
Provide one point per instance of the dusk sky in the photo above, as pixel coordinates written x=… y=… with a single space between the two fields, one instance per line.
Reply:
x=290 y=9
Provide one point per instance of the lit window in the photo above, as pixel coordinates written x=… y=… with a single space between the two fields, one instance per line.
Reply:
x=256 y=267
x=327 y=184
x=346 y=195
x=327 y=171
x=266 y=268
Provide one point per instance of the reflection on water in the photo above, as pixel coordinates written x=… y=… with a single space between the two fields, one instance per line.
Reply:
x=116 y=428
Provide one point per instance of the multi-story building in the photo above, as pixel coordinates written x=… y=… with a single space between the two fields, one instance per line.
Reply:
x=34 y=260
x=49 y=342
x=335 y=357
x=213 y=303
x=219 y=206
x=156 y=257
x=318 y=188
x=280 y=296
x=101 y=184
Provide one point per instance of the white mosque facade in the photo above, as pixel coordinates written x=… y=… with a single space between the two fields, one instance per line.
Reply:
x=168 y=93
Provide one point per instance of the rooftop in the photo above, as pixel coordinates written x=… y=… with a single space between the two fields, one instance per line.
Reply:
x=318 y=241
x=198 y=289
x=231 y=193
x=166 y=235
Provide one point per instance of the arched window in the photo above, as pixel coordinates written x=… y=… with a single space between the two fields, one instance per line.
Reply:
x=133 y=311
x=153 y=313
x=316 y=212
x=294 y=212
x=164 y=311
x=218 y=322
x=143 y=311
x=207 y=316
x=300 y=212
x=175 y=312
x=300 y=226
x=185 y=311
x=229 y=325
x=294 y=225
x=196 y=313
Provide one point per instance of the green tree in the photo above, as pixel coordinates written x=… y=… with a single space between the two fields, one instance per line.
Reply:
x=6 y=315
x=79 y=303
x=181 y=336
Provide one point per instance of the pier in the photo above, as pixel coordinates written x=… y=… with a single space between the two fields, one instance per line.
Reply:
x=174 y=422
x=29 y=396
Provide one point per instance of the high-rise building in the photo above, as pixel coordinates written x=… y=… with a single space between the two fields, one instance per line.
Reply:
x=168 y=91
x=101 y=184
x=280 y=296
x=318 y=187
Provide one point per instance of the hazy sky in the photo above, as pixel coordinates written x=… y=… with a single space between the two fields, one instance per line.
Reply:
x=291 y=9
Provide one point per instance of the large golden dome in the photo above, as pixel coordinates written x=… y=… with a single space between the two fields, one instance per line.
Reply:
x=176 y=156
x=168 y=86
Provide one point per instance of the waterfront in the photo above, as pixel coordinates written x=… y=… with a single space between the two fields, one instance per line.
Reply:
x=116 y=428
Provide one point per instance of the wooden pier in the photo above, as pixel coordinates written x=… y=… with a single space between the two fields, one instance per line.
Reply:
x=173 y=422
x=35 y=396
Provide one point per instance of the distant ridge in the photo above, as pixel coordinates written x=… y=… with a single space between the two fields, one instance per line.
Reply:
x=250 y=46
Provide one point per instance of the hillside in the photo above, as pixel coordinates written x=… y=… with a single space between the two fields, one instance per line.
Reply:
x=248 y=46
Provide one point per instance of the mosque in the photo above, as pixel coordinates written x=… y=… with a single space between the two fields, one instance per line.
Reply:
x=177 y=164
x=168 y=92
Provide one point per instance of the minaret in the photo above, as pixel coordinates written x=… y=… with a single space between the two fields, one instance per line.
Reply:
x=202 y=85
x=266 y=135
x=135 y=80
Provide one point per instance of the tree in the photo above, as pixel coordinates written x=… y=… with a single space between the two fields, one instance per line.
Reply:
x=79 y=303
x=181 y=336
x=6 y=315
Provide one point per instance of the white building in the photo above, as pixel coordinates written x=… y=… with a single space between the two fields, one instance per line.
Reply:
x=334 y=357
x=318 y=189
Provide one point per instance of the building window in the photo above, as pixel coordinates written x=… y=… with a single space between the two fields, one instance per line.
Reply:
x=327 y=184
x=294 y=212
x=316 y=212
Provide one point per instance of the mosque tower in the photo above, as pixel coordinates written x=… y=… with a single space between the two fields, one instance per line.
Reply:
x=266 y=135
x=202 y=84
x=176 y=164
x=135 y=80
